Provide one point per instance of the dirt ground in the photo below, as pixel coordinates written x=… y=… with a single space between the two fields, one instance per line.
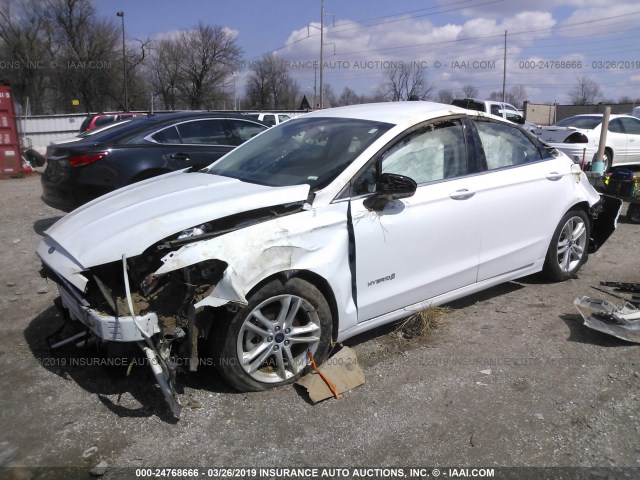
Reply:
x=510 y=378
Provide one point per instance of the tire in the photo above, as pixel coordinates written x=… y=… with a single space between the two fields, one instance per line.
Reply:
x=568 y=248
x=607 y=159
x=633 y=213
x=266 y=344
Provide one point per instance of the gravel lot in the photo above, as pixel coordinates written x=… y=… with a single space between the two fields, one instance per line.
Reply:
x=510 y=377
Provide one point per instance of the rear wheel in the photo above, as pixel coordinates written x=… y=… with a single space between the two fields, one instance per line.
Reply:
x=568 y=249
x=607 y=159
x=266 y=344
x=633 y=213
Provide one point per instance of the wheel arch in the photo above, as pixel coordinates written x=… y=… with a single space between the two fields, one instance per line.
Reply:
x=314 y=279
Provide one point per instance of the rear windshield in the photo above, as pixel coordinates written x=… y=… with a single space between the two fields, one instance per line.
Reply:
x=469 y=104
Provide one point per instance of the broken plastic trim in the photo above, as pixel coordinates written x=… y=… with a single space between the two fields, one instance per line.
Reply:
x=605 y=215
x=621 y=322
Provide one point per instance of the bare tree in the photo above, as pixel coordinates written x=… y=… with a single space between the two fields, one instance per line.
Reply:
x=85 y=54
x=349 y=97
x=404 y=82
x=517 y=95
x=164 y=71
x=270 y=86
x=329 y=99
x=209 y=56
x=445 y=96
x=258 y=85
x=585 y=92
x=25 y=45
x=469 y=91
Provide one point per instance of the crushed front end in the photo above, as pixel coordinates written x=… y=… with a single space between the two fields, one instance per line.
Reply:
x=125 y=302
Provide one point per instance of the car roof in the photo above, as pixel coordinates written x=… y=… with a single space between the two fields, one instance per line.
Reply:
x=393 y=112
x=138 y=125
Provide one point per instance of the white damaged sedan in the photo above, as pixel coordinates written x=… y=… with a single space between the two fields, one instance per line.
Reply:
x=579 y=136
x=316 y=230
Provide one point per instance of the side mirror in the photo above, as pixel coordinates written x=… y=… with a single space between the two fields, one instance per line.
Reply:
x=390 y=186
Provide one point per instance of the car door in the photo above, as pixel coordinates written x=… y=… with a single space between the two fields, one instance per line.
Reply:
x=520 y=199
x=618 y=139
x=423 y=246
x=193 y=143
x=632 y=129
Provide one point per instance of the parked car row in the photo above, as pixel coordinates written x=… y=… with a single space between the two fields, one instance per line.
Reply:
x=118 y=154
x=316 y=230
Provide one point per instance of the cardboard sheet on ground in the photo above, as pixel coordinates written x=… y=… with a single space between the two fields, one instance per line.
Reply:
x=342 y=370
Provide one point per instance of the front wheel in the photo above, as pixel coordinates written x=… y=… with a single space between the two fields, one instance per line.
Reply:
x=267 y=343
x=568 y=249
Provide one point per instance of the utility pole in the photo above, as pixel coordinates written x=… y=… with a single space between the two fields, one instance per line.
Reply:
x=504 y=72
x=124 y=65
x=321 y=48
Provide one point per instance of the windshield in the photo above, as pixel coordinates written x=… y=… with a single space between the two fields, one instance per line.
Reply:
x=587 y=123
x=310 y=151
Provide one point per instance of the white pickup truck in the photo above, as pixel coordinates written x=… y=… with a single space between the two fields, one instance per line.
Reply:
x=270 y=119
x=500 y=109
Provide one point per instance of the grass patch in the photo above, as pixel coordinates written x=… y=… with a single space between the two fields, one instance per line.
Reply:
x=420 y=324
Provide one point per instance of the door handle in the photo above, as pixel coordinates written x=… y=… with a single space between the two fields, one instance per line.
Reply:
x=180 y=156
x=554 y=176
x=462 y=194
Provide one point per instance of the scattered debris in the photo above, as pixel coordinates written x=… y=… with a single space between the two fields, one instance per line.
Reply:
x=100 y=469
x=622 y=287
x=90 y=451
x=621 y=322
x=16 y=241
x=486 y=372
x=42 y=290
x=10 y=284
x=421 y=323
x=342 y=370
x=539 y=416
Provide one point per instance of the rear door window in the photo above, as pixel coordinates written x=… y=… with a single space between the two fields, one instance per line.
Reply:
x=241 y=130
x=167 y=136
x=203 y=132
x=505 y=145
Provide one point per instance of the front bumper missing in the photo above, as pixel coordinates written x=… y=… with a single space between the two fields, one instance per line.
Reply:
x=621 y=322
x=139 y=329
x=107 y=327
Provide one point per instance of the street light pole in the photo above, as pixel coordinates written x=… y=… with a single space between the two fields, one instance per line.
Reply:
x=321 y=51
x=124 y=65
x=234 y=92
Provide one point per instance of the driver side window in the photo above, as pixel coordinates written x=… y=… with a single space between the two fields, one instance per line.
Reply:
x=433 y=153
x=430 y=154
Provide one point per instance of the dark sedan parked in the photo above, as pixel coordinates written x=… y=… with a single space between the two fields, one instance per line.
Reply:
x=83 y=169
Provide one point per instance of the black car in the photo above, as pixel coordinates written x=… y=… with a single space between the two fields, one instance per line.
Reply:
x=85 y=168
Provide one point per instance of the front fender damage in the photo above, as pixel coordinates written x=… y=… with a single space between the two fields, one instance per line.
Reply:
x=188 y=282
x=604 y=215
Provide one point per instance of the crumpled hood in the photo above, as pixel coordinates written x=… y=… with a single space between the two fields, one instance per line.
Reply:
x=129 y=220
